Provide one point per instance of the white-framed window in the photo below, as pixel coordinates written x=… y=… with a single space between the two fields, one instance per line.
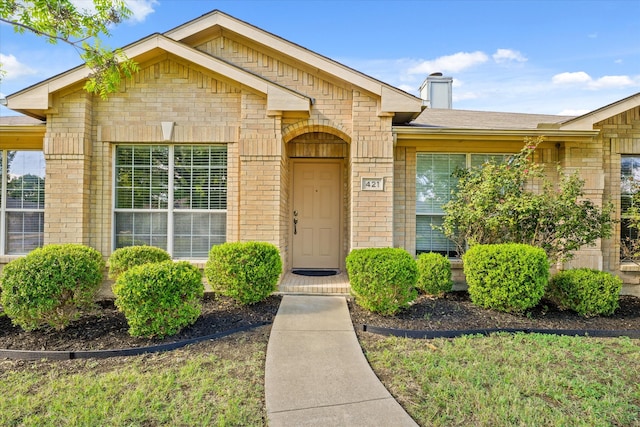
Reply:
x=435 y=182
x=171 y=196
x=22 y=201
x=629 y=185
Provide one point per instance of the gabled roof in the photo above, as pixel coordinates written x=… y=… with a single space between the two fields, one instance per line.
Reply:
x=35 y=100
x=586 y=121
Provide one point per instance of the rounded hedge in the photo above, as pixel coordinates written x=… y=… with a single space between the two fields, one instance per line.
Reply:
x=122 y=259
x=51 y=285
x=159 y=299
x=508 y=277
x=587 y=292
x=382 y=279
x=434 y=273
x=248 y=272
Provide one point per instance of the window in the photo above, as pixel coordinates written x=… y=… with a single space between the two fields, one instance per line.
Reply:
x=22 y=201
x=629 y=185
x=434 y=185
x=172 y=197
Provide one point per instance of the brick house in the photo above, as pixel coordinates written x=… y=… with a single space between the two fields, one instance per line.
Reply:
x=231 y=133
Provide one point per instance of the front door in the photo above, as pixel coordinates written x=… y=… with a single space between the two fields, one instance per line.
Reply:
x=316 y=215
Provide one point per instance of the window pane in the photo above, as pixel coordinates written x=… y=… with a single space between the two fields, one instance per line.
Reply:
x=25 y=231
x=429 y=239
x=142 y=177
x=200 y=177
x=25 y=179
x=135 y=228
x=195 y=233
x=435 y=181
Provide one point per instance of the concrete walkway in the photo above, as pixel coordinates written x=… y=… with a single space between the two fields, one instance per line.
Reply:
x=316 y=373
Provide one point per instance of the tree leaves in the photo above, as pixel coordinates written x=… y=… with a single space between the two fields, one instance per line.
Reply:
x=62 y=20
x=517 y=202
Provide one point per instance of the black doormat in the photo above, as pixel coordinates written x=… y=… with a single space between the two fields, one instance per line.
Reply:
x=316 y=273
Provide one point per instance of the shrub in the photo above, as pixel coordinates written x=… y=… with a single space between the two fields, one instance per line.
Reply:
x=434 y=274
x=508 y=277
x=382 y=279
x=159 y=299
x=123 y=259
x=248 y=272
x=51 y=285
x=587 y=292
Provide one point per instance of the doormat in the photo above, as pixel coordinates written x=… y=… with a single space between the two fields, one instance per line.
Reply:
x=315 y=273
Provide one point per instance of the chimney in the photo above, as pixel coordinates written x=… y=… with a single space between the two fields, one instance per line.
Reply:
x=436 y=91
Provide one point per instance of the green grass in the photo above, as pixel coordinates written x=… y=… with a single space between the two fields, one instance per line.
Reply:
x=512 y=380
x=217 y=383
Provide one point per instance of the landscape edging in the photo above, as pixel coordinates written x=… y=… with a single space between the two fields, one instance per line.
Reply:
x=423 y=334
x=102 y=354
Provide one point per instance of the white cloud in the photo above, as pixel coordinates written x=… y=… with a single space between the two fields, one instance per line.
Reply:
x=571 y=78
x=141 y=9
x=450 y=63
x=604 y=82
x=508 y=55
x=14 y=68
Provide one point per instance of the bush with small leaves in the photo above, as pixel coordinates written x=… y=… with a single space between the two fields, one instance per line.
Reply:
x=382 y=279
x=434 y=274
x=587 y=292
x=509 y=277
x=51 y=285
x=122 y=259
x=248 y=272
x=159 y=299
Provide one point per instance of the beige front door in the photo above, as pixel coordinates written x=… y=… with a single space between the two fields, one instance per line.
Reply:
x=316 y=214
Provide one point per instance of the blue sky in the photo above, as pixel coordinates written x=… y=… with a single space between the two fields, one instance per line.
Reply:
x=545 y=56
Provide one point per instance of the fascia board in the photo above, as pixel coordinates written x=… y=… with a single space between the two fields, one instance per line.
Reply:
x=586 y=121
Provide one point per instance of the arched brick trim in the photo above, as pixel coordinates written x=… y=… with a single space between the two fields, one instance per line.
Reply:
x=308 y=126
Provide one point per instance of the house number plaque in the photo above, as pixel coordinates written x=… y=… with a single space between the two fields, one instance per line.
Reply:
x=373 y=184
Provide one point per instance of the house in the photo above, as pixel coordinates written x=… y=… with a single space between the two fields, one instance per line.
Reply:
x=231 y=133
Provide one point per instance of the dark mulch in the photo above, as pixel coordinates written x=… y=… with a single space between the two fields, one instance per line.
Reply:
x=106 y=328
x=456 y=312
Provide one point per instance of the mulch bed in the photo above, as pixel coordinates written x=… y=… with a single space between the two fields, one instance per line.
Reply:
x=456 y=312
x=106 y=328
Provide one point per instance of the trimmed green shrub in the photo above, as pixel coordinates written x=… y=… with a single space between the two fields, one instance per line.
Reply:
x=434 y=273
x=509 y=277
x=382 y=279
x=51 y=285
x=159 y=299
x=122 y=259
x=248 y=272
x=587 y=292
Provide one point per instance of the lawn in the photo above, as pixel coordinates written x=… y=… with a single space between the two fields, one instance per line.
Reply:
x=216 y=383
x=511 y=380
x=501 y=380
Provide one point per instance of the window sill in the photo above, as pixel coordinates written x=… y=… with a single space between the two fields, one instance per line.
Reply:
x=629 y=267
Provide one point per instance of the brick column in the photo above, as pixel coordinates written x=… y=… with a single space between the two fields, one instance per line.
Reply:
x=371 y=157
x=67 y=151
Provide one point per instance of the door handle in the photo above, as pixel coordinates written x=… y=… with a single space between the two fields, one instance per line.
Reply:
x=295 y=222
